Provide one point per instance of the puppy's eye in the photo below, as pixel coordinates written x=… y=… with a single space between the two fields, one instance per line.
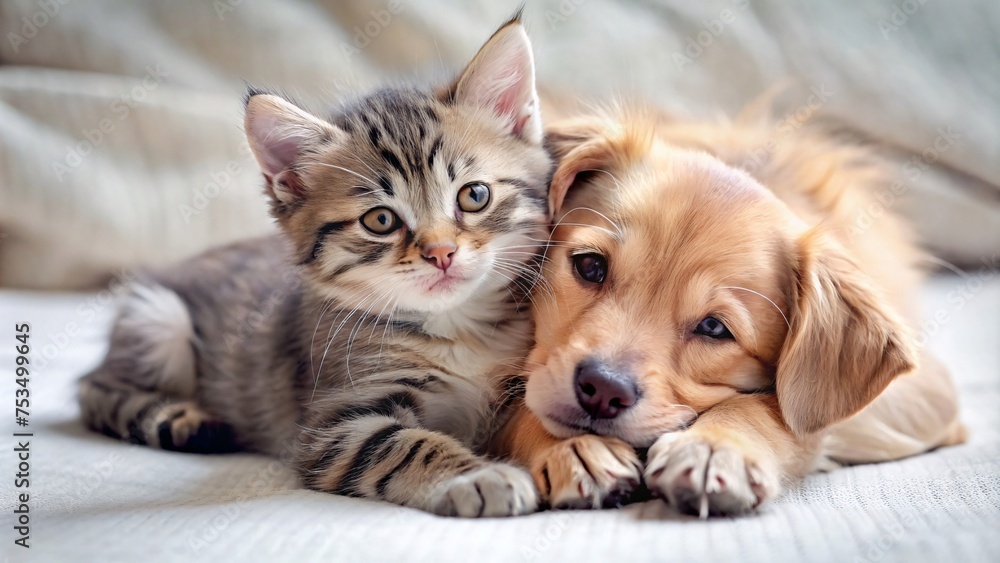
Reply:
x=592 y=267
x=712 y=328
x=474 y=197
x=381 y=221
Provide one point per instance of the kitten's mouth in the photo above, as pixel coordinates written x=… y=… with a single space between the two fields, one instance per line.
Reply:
x=443 y=285
x=446 y=283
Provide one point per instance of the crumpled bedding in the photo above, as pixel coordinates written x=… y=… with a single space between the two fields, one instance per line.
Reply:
x=120 y=142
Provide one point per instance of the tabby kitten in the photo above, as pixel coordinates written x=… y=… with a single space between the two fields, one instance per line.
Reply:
x=367 y=341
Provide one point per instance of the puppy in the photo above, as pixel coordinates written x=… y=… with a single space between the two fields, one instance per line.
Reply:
x=741 y=326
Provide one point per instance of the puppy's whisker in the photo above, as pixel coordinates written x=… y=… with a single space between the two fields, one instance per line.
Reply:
x=945 y=264
x=561 y=223
x=601 y=215
x=775 y=305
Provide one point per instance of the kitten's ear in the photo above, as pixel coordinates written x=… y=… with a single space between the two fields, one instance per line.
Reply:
x=501 y=78
x=278 y=133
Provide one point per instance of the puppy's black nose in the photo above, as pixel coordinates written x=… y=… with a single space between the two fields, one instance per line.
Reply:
x=603 y=391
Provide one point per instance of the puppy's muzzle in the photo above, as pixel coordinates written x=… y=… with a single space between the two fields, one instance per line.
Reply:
x=602 y=390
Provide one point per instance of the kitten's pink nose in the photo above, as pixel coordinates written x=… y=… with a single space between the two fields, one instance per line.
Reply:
x=439 y=254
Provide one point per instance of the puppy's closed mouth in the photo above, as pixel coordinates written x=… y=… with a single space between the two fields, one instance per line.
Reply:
x=576 y=423
x=588 y=428
x=576 y=420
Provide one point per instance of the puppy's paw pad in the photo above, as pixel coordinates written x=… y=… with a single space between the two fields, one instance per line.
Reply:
x=496 y=489
x=705 y=479
x=588 y=472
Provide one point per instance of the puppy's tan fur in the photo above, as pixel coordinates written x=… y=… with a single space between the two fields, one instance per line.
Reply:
x=821 y=312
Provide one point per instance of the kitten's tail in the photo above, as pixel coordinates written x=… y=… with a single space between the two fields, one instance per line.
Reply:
x=144 y=388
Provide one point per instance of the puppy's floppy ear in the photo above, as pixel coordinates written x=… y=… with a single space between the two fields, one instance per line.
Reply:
x=279 y=133
x=844 y=345
x=595 y=143
x=578 y=145
x=501 y=79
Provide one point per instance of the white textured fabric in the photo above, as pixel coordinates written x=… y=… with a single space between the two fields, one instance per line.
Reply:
x=165 y=78
x=97 y=499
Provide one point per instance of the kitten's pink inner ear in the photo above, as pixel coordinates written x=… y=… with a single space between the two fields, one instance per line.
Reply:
x=502 y=78
x=276 y=149
x=277 y=132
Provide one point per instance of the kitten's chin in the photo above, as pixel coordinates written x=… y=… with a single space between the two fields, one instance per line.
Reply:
x=441 y=296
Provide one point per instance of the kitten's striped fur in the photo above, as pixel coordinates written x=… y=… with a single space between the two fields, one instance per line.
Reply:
x=332 y=345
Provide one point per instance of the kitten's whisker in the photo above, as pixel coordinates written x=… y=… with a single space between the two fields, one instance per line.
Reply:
x=506 y=287
x=521 y=270
x=334 y=336
x=365 y=178
x=366 y=165
x=388 y=323
x=379 y=315
x=525 y=290
x=517 y=267
x=312 y=341
x=352 y=335
x=330 y=335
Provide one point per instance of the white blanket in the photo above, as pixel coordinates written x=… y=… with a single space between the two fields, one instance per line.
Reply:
x=96 y=499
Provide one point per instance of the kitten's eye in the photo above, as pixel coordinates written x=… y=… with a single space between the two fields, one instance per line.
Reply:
x=473 y=197
x=381 y=221
x=592 y=267
x=713 y=328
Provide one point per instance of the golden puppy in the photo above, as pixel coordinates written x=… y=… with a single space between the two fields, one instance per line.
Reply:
x=736 y=325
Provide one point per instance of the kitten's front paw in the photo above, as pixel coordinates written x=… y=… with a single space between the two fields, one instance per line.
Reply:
x=588 y=472
x=705 y=475
x=496 y=489
x=185 y=427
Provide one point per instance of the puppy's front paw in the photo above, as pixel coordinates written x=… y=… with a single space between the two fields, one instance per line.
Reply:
x=703 y=475
x=496 y=489
x=588 y=472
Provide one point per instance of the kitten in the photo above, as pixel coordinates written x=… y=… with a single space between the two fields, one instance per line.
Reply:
x=366 y=343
